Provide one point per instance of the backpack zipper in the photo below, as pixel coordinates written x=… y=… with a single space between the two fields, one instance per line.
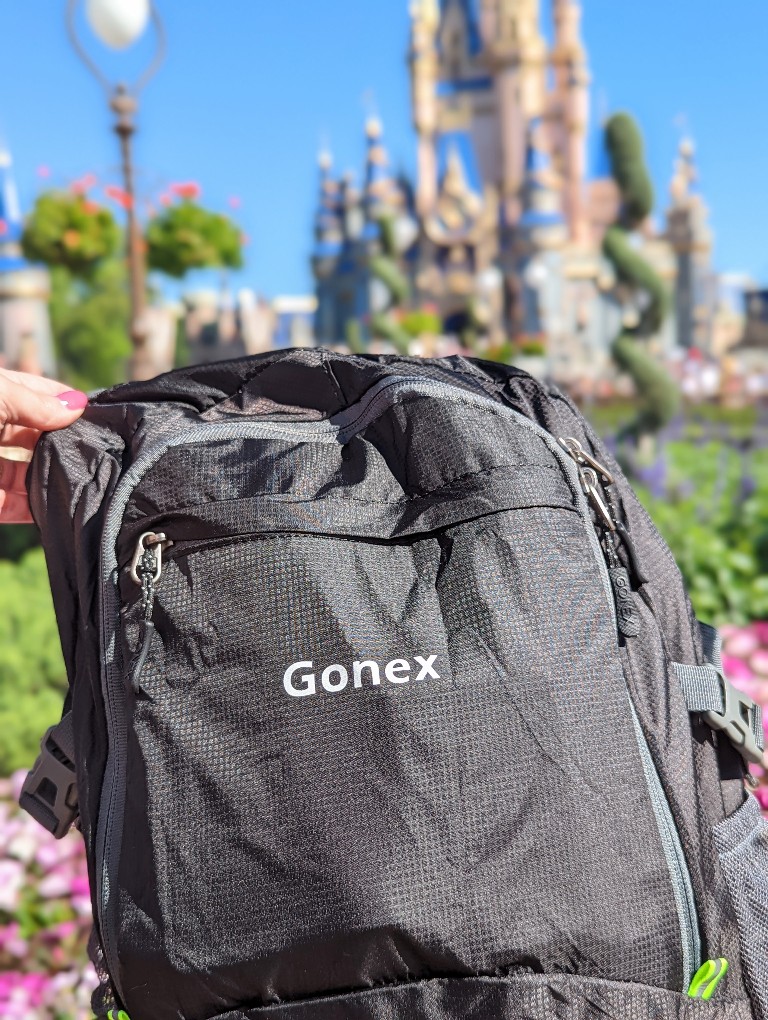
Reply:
x=595 y=480
x=344 y=425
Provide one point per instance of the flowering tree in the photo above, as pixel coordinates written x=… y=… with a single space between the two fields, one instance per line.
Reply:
x=186 y=236
x=68 y=229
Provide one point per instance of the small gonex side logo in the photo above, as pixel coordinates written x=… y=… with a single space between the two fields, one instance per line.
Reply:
x=300 y=680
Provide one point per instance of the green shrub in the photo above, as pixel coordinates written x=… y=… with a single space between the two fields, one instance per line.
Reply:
x=32 y=675
x=69 y=230
x=717 y=528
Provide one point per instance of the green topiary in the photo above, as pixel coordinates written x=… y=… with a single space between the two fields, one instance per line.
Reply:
x=657 y=394
x=385 y=269
x=69 y=230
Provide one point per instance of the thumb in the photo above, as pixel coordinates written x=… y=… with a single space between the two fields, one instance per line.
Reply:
x=20 y=405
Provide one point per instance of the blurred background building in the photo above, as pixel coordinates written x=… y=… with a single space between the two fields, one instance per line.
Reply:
x=501 y=232
x=25 y=330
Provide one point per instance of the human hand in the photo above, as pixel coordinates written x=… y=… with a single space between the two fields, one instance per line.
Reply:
x=29 y=406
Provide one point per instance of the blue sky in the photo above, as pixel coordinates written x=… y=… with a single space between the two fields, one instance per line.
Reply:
x=252 y=88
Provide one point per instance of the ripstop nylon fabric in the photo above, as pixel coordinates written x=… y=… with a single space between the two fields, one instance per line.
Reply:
x=487 y=815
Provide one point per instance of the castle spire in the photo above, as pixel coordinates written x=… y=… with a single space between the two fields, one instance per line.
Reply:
x=517 y=55
x=378 y=179
x=569 y=115
x=423 y=58
x=328 y=227
x=542 y=224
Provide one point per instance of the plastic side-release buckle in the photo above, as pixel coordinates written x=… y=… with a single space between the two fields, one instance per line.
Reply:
x=49 y=792
x=741 y=721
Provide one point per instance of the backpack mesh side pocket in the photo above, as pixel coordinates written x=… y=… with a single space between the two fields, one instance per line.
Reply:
x=742 y=844
x=103 y=998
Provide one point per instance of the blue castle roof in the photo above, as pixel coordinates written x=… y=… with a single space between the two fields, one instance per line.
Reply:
x=471 y=11
x=11 y=222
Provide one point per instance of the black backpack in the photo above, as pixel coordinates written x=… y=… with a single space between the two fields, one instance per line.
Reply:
x=387 y=701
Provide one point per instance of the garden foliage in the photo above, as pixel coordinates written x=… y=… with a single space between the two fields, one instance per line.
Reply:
x=186 y=236
x=67 y=229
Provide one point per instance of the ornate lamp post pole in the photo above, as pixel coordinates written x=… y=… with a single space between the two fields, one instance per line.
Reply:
x=118 y=24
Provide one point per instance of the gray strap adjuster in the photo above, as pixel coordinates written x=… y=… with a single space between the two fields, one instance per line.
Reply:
x=741 y=720
x=725 y=708
x=49 y=792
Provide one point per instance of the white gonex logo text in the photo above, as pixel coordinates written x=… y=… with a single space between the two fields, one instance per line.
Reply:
x=300 y=682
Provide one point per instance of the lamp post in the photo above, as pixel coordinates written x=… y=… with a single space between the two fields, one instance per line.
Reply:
x=118 y=24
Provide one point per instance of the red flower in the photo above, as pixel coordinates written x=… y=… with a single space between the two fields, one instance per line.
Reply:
x=187 y=189
x=118 y=195
x=166 y=199
x=83 y=184
x=3 y=228
x=90 y=208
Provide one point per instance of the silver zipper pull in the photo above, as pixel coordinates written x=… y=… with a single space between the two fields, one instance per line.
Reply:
x=591 y=485
x=146 y=571
x=575 y=449
x=148 y=557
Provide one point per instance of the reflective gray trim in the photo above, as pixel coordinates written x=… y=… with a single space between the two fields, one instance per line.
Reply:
x=673 y=851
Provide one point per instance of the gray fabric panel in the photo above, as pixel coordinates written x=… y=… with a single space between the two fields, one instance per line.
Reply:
x=742 y=841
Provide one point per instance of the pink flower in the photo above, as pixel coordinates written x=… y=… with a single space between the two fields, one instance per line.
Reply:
x=760 y=631
x=11 y=883
x=741 y=643
x=17 y=781
x=736 y=669
x=758 y=660
x=55 y=884
x=11 y=941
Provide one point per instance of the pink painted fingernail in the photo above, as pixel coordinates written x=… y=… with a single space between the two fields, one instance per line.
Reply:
x=75 y=400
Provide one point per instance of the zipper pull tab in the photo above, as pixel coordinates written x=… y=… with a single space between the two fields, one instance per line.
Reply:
x=575 y=449
x=627 y=616
x=591 y=485
x=629 y=545
x=146 y=571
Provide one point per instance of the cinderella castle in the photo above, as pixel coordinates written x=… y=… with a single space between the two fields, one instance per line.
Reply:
x=500 y=235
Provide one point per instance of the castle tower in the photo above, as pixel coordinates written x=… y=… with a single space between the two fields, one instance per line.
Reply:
x=328 y=227
x=516 y=54
x=541 y=226
x=569 y=114
x=425 y=19
x=25 y=330
x=380 y=188
x=691 y=238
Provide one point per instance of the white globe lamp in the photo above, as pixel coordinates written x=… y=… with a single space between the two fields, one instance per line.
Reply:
x=118 y=23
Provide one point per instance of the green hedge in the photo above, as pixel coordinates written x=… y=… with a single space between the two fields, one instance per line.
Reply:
x=32 y=675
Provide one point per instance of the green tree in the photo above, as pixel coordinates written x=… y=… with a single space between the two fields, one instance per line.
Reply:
x=657 y=394
x=71 y=231
x=89 y=318
x=187 y=236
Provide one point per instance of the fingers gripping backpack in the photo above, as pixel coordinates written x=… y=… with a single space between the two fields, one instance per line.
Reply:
x=387 y=701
